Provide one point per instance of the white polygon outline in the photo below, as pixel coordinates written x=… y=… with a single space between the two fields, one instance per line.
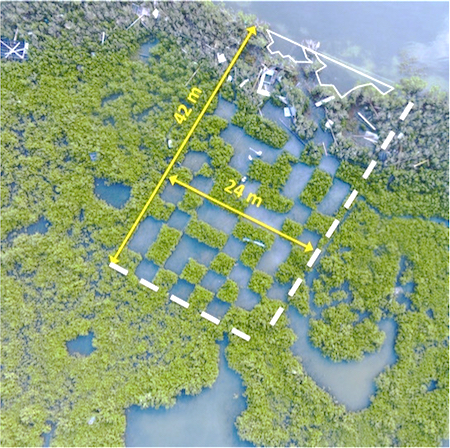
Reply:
x=320 y=55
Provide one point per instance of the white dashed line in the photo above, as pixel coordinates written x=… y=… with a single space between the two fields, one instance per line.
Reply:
x=179 y=301
x=332 y=228
x=350 y=199
x=295 y=286
x=406 y=110
x=367 y=121
x=118 y=268
x=388 y=139
x=276 y=316
x=240 y=334
x=148 y=284
x=212 y=319
x=325 y=100
x=369 y=169
x=313 y=258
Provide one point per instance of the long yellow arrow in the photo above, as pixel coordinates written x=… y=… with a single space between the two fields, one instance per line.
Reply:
x=174 y=180
x=251 y=31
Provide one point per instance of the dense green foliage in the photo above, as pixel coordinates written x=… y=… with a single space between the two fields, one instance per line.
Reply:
x=261 y=128
x=316 y=189
x=206 y=233
x=223 y=264
x=229 y=291
x=260 y=282
x=163 y=247
x=312 y=154
x=340 y=337
x=194 y=271
x=74 y=97
x=272 y=178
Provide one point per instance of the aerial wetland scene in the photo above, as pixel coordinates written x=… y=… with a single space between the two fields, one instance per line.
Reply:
x=224 y=224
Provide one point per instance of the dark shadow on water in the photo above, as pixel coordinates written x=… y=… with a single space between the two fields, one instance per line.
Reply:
x=206 y=419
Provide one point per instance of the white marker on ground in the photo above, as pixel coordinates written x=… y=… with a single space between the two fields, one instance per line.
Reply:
x=148 y=284
x=325 y=100
x=118 y=268
x=387 y=140
x=367 y=121
x=179 y=301
x=350 y=199
x=406 y=110
x=295 y=286
x=212 y=319
x=240 y=334
x=276 y=316
x=313 y=258
x=332 y=228
x=369 y=169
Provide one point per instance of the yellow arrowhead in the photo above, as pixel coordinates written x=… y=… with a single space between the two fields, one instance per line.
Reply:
x=309 y=247
x=113 y=259
x=173 y=179
x=252 y=30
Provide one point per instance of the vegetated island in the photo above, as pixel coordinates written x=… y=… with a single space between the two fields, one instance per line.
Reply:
x=84 y=106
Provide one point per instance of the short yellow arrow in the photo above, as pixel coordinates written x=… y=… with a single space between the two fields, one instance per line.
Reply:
x=174 y=180
x=251 y=32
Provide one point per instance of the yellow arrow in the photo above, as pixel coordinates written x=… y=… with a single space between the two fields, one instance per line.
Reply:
x=174 y=180
x=251 y=31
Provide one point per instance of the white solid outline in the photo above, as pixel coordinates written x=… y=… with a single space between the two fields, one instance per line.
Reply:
x=317 y=54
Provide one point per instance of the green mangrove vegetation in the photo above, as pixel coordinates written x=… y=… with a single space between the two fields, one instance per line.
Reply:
x=223 y=264
x=316 y=189
x=193 y=272
x=164 y=245
x=79 y=110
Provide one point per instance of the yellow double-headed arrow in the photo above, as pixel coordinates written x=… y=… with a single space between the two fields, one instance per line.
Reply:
x=251 y=32
x=174 y=180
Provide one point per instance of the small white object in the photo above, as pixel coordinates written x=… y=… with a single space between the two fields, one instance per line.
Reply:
x=287 y=112
x=91 y=420
x=212 y=319
x=230 y=78
x=118 y=268
x=221 y=58
x=318 y=104
x=329 y=123
x=242 y=84
x=170 y=144
x=244 y=179
x=400 y=136
x=250 y=157
x=388 y=140
x=155 y=13
x=148 y=284
x=313 y=258
x=350 y=199
x=406 y=111
x=241 y=334
x=276 y=316
x=181 y=302
x=332 y=228
x=369 y=169
x=295 y=286
x=328 y=99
